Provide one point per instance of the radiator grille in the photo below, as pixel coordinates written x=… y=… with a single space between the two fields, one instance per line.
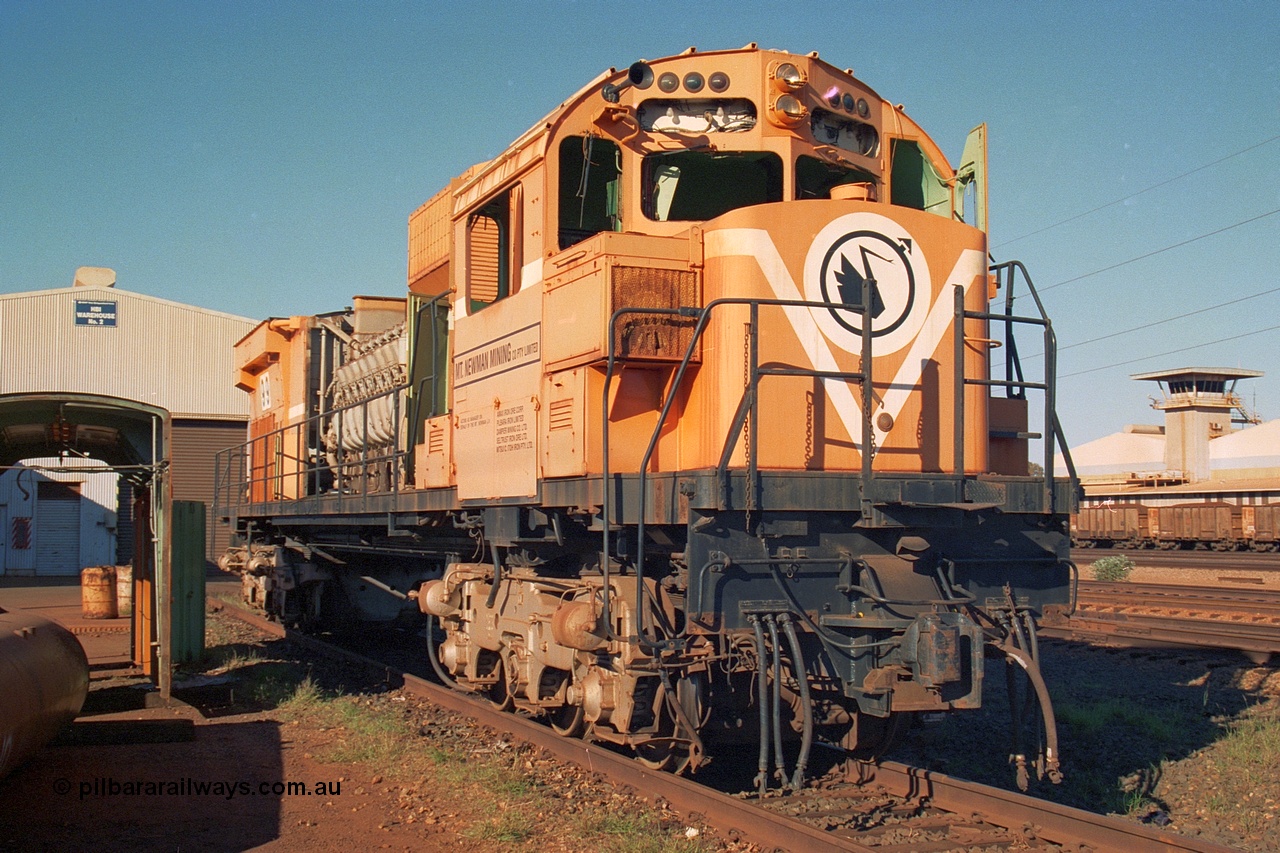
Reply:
x=654 y=337
x=429 y=235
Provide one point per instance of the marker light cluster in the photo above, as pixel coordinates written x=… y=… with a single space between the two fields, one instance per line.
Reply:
x=785 y=109
x=693 y=82
x=847 y=102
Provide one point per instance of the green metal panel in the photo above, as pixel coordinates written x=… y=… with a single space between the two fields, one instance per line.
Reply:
x=188 y=581
x=915 y=181
x=972 y=174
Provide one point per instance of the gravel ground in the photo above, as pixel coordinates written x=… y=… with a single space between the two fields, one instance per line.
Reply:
x=1188 y=741
x=1184 y=740
x=397 y=772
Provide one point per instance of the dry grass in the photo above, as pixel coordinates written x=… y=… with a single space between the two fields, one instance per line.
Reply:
x=492 y=790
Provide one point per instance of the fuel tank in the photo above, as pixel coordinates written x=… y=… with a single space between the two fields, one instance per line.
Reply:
x=44 y=678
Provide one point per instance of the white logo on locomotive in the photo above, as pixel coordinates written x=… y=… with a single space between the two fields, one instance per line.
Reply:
x=860 y=247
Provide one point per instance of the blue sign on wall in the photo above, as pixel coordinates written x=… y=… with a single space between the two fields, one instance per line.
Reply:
x=90 y=312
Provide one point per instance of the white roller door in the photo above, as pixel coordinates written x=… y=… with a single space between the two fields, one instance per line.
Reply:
x=58 y=529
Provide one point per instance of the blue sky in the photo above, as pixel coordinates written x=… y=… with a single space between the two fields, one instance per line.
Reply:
x=262 y=159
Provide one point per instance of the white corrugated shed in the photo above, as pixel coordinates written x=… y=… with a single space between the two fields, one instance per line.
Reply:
x=104 y=340
x=1249 y=453
x=1118 y=454
x=1253 y=449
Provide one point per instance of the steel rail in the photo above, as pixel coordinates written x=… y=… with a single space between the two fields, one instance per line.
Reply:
x=1257 y=642
x=1176 y=616
x=1245 y=600
x=1057 y=824
x=1240 y=561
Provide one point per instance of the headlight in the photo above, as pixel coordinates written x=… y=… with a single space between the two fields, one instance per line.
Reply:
x=787 y=111
x=788 y=78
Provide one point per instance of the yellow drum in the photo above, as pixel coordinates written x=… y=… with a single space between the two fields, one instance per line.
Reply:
x=98 y=592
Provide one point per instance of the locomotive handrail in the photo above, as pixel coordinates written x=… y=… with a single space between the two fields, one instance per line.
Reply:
x=263 y=472
x=224 y=479
x=746 y=415
x=1051 y=369
x=748 y=406
x=1015 y=381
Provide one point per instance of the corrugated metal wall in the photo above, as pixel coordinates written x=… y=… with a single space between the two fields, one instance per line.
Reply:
x=194 y=446
x=139 y=347
x=56 y=536
x=104 y=340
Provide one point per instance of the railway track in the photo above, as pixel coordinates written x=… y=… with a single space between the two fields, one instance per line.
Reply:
x=883 y=807
x=1260 y=565
x=1235 y=604
x=1142 y=614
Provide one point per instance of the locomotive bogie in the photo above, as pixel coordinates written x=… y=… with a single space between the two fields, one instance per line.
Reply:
x=542 y=645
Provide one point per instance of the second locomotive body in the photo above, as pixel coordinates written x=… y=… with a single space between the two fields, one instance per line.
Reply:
x=693 y=438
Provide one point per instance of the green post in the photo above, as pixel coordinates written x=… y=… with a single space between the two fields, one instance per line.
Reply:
x=188 y=525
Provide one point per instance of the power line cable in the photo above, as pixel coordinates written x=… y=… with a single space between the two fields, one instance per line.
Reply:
x=1160 y=251
x=1170 y=352
x=1171 y=319
x=1135 y=195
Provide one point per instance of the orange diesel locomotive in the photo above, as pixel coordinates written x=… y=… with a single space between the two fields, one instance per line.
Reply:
x=689 y=432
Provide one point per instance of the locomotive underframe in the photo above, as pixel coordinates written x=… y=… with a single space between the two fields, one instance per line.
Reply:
x=884 y=613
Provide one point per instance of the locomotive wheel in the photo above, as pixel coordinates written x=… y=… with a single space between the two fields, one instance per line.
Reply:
x=499 y=693
x=665 y=753
x=567 y=720
x=663 y=756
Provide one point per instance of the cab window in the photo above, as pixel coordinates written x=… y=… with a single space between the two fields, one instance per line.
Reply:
x=696 y=185
x=915 y=181
x=491 y=251
x=590 y=172
x=815 y=178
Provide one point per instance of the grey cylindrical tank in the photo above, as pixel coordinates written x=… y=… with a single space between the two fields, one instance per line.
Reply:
x=44 y=678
